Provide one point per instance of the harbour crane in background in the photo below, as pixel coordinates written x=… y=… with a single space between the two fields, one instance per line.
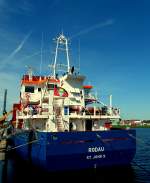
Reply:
x=5 y=113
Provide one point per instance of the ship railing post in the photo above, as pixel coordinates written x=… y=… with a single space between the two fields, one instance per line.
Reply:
x=84 y=113
x=94 y=110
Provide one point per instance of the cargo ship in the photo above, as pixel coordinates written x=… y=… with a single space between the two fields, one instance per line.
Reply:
x=59 y=124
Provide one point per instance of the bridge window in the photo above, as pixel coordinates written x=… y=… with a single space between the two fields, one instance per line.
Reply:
x=50 y=86
x=39 y=89
x=29 y=89
x=75 y=94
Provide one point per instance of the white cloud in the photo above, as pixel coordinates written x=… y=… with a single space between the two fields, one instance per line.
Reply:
x=10 y=8
x=18 y=7
x=26 y=6
x=13 y=60
x=2 y=2
x=94 y=27
x=17 y=49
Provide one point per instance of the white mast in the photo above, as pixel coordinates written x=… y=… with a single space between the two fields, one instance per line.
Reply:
x=56 y=53
x=41 y=54
x=110 y=101
x=61 y=41
x=29 y=72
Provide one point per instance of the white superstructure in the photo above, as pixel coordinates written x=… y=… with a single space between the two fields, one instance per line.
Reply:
x=61 y=102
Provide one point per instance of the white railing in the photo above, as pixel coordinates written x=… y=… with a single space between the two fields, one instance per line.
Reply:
x=29 y=113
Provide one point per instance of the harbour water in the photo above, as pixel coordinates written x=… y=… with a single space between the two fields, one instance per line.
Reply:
x=15 y=171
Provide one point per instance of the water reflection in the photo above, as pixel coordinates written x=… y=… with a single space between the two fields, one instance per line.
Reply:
x=17 y=171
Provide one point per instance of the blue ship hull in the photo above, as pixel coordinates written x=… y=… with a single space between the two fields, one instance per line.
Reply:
x=55 y=151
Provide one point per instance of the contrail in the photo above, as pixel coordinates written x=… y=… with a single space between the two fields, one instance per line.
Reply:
x=30 y=56
x=34 y=54
x=96 y=26
x=19 y=47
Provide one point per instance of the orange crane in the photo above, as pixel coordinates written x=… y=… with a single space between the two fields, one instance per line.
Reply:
x=5 y=116
x=5 y=113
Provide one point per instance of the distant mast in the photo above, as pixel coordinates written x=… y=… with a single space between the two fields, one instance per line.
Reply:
x=29 y=72
x=4 y=105
x=110 y=101
x=61 y=41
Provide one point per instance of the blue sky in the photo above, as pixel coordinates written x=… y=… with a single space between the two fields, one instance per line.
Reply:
x=114 y=40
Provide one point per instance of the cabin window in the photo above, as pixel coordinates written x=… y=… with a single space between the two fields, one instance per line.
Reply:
x=29 y=89
x=88 y=125
x=39 y=89
x=75 y=94
x=50 y=86
x=66 y=110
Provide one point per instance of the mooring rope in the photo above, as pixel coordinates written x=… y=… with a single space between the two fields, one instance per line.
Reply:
x=139 y=140
x=22 y=145
x=6 y=150
x=98 y=136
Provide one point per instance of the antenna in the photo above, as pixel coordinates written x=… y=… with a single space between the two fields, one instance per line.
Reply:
x=41 y=54
x=30 y=71
x=110 y=100
x=79 y=53
x=62 y=31
x=4 y=105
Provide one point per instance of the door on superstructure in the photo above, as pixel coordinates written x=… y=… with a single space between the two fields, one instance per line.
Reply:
x=88 y=125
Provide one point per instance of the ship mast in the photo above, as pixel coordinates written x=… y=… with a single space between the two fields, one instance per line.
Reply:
x=4 y=105
x=110 y=101
x=61 y=41
x=29 y=72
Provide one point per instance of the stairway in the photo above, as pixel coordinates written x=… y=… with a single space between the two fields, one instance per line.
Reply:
x=60 y=125
x=59 y=121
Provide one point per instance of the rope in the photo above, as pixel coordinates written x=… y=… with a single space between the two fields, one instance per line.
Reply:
x=2 y=150
x=139 y=140
x=23 y=145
